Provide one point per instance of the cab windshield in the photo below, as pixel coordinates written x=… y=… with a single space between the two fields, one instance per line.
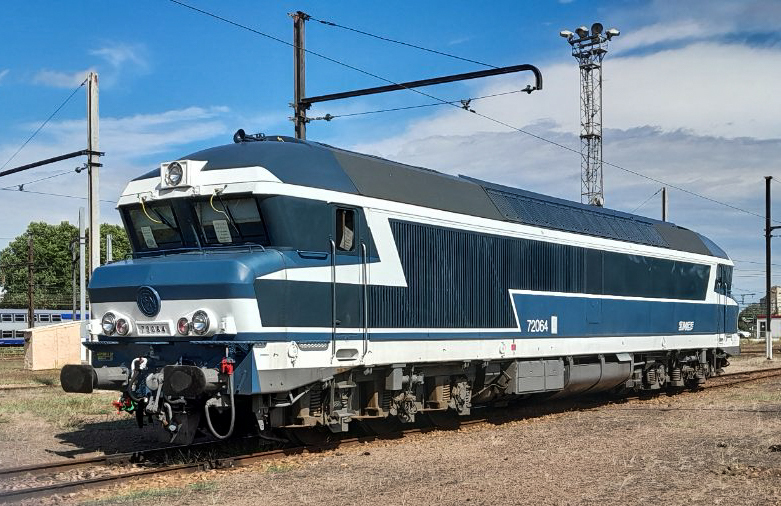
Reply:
x=218 y=221
x=155 y=226
x=230 y=221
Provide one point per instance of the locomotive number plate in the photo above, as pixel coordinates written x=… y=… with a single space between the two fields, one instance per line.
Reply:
x=154 y=329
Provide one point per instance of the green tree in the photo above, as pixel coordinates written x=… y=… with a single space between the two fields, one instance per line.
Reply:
x=747 y=318
x=52 y=263
x=120 y=244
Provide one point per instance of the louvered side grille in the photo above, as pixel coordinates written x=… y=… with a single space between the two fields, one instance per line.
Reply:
x=542 y=213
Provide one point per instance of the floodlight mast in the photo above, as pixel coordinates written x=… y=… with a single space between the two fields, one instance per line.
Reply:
x=589 y=48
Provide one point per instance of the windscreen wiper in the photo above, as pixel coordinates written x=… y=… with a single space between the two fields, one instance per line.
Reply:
x=228 y=213
x=168 y=224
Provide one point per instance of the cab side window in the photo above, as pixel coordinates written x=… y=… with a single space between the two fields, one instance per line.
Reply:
x=345 y=229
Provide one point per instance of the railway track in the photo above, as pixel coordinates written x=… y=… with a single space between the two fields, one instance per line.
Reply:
x=203 y=459
x=735 y=378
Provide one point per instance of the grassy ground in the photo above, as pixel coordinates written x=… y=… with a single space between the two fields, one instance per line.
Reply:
x=145 y=495
x=51 y=404
x=12 y=372
x=61 y=410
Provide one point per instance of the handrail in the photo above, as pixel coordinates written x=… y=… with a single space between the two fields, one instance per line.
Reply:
x=333 y=299
x=365 y=282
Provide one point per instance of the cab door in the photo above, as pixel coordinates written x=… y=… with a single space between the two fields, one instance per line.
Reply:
x=348 y=280
x=722 y=291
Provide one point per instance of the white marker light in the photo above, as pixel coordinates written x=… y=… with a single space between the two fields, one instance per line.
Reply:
x=173 y=174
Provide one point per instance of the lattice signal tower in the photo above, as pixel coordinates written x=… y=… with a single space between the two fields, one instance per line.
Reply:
x=589 y=48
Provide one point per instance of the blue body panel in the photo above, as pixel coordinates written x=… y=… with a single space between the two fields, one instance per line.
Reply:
x=579 y=316
x=214 y=275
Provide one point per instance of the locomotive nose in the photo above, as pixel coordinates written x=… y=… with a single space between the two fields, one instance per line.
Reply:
x=182 y=295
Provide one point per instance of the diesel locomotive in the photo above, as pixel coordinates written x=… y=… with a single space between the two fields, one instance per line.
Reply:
x=292 y=286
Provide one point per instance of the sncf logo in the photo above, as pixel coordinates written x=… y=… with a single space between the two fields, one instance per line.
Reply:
x=685 y=326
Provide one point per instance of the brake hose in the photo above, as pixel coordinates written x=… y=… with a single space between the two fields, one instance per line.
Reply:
x=233 y=414
x=129 y=390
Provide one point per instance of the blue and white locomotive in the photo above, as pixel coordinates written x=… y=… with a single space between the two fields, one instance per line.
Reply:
x=297 y=285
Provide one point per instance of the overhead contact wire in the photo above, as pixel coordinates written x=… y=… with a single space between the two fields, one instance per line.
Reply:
x=21 y=185
x=43 y=124
x=450 y=102
x=52 y=194
x=645 y=201
x=400 y=42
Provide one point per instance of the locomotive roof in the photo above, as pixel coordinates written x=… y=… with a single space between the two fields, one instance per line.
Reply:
x=319 y=165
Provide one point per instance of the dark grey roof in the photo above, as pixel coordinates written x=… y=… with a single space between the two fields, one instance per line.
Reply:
x=380 y=178
x=321 y=166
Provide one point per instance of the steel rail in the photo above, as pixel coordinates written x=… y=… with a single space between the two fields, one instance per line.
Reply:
x=136 y=457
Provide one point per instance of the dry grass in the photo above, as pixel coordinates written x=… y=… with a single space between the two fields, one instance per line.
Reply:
x=145 y=495
x=12 y=372
x=63 y=411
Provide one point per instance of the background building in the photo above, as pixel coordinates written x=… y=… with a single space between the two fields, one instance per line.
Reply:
x=775 y=296
x=775 y=327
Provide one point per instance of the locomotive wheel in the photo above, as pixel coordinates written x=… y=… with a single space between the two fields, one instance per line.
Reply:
x=310 y=436
x=445 y=420
x=381 y=426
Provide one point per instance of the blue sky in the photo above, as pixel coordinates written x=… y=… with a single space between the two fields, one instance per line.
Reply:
x=690 y=97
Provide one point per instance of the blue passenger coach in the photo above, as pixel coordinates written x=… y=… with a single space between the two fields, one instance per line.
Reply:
x=13 y=323
x=300 y=285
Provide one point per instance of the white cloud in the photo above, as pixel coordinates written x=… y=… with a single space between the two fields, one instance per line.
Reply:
x=661 y=33
x=664 y=23
x=57 y=79
x=459 y=40
x=117 y=61
x=121 y=54
x=4 y=73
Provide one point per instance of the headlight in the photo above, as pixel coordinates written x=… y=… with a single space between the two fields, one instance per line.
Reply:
x=108 y=323
x=173 y=174
x=183 y=326
x=200 y=323
x=123 y=327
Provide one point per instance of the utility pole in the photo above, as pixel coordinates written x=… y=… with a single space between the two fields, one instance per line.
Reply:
x=82 y=267
x=589 y=49
x=30 y=281
x=109 y=249
x=664 y=203
x=73 y=244
x=85 y=354
x=300 y=73
x=743 y=297
x=768 y=234
x=93 y=169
